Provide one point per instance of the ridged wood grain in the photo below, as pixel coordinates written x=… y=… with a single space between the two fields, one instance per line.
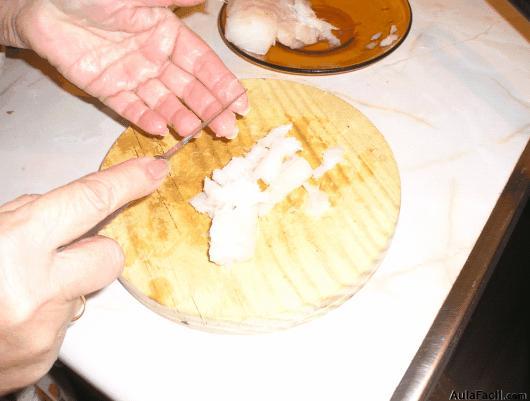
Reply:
x=303 y=265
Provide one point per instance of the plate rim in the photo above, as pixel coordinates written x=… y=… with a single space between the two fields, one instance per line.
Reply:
x=309 y=71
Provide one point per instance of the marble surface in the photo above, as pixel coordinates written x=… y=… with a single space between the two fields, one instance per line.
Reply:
x=454 y=104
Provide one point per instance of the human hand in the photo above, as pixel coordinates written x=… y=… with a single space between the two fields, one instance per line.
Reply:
x=136 y=56
x=44 y=268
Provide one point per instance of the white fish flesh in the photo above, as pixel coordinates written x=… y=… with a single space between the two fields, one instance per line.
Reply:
x=256 y=25
x=391 y=38
x=331 y=157
x=317 y=202
x=233 y=234
x=234 y=200
x=294 y=172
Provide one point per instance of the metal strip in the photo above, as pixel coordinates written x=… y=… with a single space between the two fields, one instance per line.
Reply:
x=444 y=334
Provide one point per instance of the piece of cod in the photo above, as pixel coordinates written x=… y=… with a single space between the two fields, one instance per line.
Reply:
x=256 y=25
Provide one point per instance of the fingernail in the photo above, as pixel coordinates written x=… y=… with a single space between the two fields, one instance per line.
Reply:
x=244 y=113
x=158 y=168
x=234 y=133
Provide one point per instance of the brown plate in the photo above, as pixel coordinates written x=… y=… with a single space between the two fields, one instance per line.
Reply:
x=357 y=21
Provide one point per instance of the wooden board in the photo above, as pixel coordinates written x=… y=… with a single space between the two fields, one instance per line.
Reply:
x=303 y=265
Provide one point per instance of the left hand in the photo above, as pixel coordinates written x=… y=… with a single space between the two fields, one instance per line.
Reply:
x=136 y=56
x=45 y=267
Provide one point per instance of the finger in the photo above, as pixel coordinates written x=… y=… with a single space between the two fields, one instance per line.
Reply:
x=18 y=202
x=138 y=18
x=159 y=98
x=131 y=107
x=199 y=99
x=121 y=67
x=86 y=266
x=167 y=3
x=66 y=213
x=194 y=56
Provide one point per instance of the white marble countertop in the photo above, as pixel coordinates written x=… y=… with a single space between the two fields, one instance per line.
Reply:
x=454 y=104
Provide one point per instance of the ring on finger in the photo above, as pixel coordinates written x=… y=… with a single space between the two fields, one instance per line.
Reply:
x=80 y=313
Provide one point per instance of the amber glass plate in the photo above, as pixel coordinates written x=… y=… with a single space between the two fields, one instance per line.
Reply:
x=357 y=22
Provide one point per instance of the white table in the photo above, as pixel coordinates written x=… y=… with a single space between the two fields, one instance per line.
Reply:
x=453 y=102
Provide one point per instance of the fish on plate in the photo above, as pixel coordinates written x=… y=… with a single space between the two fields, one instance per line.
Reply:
x=256 y=25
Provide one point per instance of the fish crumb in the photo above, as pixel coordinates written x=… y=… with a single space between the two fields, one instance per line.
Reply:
x=234 y=199
x=388 y=40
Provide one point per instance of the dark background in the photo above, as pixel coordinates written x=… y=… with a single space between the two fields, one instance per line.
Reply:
x=493 y=352
x=523 y=6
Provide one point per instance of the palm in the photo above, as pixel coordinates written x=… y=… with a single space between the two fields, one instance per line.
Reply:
x=139 y=59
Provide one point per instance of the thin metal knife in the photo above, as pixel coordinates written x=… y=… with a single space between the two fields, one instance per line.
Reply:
x=166 y=156
x=179 y=145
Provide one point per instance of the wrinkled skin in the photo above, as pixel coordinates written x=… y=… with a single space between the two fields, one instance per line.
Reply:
x=137 y=57
x=44 y=269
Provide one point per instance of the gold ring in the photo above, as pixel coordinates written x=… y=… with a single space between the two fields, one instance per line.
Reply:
x=80 y=313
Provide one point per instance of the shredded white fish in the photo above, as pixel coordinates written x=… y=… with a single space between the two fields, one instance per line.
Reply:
x=391 y=38
x=293 y=174
x=376 y=36
x=331 y=157
x=234 y=200
x=371 y=45
x=256 y=25
x=317 y=202
x=388 y=40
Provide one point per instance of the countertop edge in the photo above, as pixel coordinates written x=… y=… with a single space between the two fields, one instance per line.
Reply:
x=450 y=322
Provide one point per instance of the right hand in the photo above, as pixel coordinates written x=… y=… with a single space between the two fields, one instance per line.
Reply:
x=136 y=56
x=44 y=268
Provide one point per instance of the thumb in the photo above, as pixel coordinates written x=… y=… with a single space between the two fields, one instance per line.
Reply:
x=169 y=3
x=86 y=266
x=66 y=213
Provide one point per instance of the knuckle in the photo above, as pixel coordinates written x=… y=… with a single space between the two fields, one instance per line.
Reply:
x=16 y=314
x=117 y=257
x=18 y=303
x=98 y=194
x=43 y=343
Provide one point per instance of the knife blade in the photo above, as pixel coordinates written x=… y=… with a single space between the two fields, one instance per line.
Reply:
x=179 y=145
x=167 y=155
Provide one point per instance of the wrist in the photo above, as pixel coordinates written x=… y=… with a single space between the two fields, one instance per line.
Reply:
x=11 y=12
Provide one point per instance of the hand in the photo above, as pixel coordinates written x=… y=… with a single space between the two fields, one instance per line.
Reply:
x=136 y=56
x=44 y=269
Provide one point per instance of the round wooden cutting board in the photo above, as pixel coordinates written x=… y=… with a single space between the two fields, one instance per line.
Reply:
x=303 y=266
